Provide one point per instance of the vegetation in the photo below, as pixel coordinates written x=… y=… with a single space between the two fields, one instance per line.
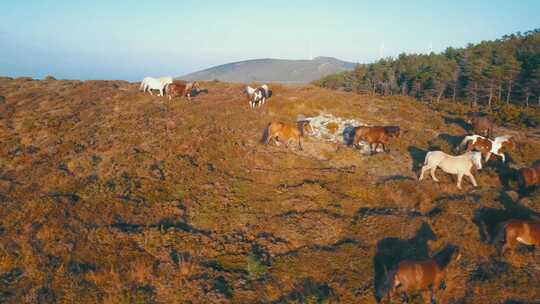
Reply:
x=487 y=75
x=109 y=195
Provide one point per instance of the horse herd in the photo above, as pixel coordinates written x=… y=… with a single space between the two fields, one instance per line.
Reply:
x=413 y=275
x=409 y=275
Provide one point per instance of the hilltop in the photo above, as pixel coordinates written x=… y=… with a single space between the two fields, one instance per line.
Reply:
x=273 y=70
x=109 y=195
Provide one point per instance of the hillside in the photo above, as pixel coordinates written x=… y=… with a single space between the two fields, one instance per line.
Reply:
x=109 y=195
x=273 y=70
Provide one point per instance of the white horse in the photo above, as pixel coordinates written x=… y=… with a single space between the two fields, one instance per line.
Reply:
x=150 y=83
x=460 y=165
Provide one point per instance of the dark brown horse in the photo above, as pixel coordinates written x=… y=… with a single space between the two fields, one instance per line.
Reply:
x=375 y=136
x=529 y=177
x=513 y=232
x=482 y=125
x=413 y=276
x=284 y=133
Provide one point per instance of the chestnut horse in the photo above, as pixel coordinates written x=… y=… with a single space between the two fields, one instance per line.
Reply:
x=412 y=276
x=181 y=89
x=513 y=232
x=488 y=146
x=481 y=124
x=530 y=176
x=283 y=133
x=375 y=136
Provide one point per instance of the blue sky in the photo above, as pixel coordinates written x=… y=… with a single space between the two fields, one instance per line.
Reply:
x=105 y=39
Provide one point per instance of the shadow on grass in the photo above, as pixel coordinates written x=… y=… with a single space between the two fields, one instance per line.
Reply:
x=417 y=156
x=460 y=122
x=391 y=251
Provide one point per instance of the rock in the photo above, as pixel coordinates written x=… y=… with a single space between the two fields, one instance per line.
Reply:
x=49 y=77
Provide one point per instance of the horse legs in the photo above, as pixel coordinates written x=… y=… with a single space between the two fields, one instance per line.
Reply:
x=424 y=169
x=488 y=156
x=471 y=177
x=460 y=177
x=432 y=172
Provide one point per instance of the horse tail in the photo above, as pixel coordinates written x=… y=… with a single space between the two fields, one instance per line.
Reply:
x=266 y=136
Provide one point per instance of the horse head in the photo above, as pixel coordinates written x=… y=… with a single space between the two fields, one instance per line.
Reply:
x=305 y=127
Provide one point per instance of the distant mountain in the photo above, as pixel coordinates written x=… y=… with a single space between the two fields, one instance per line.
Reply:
x=273 y=70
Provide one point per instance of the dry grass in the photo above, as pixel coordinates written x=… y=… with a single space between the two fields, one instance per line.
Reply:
x=113 y=196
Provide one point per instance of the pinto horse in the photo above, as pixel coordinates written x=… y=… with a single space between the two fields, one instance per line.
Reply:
x=530 y=176
x=481 y=124
x=285 y=133
x=375 y=136
x=513 y=232
x=411 y=276
x=257 y=97
x=460 y=165
x=488 y=146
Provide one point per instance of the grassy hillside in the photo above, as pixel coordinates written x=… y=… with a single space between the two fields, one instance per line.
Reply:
x=109 y=195
x=273 y=70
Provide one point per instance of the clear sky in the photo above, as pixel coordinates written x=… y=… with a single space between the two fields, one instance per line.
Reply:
x=120 y=39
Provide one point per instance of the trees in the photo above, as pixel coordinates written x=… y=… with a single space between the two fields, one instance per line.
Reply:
x=504 y=69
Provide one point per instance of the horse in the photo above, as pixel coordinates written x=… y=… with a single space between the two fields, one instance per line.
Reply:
x=411 y=276
x=184 y=90
x=257 y=97
x=530 y=176
x=515 y=231
x=373 y=135
x=283 y=133
x=149 y=84
x=460 y=165
x=481 y=124
x=487 y=146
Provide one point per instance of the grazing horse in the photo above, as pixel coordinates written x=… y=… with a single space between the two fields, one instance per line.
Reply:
x=517 y=231
x=530 y=176
x=488 y=146
x=149 y=84
x=374 y=136
x=481 y=124
x=283 y=133
x=411 y=276
x=460 y=165
x=257 y=97
x=182 y=89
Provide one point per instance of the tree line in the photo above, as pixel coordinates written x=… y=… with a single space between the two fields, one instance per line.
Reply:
x=502 y=71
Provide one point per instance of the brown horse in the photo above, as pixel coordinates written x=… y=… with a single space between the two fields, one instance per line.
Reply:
x=375 y=136
x=412 y=276
x=513 y=232
x=283 y=133
x=181 y=89
x=530 y=176
x=481 y=124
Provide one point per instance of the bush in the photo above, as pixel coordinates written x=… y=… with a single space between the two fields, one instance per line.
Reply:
x=514 y=115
